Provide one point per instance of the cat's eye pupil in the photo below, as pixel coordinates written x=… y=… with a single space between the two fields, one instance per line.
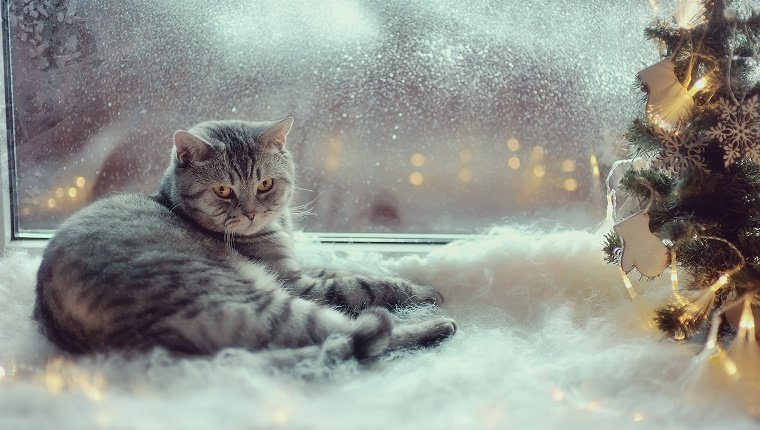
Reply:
x=223 y=191
x=266 y=185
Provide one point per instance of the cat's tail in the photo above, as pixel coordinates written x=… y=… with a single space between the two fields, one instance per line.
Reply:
x=374 y=334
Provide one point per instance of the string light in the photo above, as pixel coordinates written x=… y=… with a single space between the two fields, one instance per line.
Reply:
x=59 y=192
x=698 y=86
x=539 y=171
x=51 y=203
x=80 y=181
x=513 y=144
x=72 y=192
x=627 y=282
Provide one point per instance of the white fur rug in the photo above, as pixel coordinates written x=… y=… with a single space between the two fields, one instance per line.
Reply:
x=547 y=339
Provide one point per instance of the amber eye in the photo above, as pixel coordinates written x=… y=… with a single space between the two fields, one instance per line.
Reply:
x=223 y=191
x=265 y=185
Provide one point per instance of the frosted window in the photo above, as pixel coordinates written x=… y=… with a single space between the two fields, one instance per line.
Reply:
x=412 y=116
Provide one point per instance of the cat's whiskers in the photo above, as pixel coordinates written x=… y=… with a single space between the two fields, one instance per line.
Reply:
x=303 y=210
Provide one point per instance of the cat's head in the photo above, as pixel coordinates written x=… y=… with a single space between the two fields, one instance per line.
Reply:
x=232 y=176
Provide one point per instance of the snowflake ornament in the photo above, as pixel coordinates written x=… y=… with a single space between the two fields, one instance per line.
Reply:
x=738 y=130
x=681 y=152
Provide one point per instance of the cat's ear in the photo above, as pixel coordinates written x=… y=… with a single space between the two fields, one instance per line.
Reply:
x=189 y=148
x=277 y=133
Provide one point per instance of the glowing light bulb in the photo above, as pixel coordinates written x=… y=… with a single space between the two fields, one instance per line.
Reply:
x=673 y=273
x=513 y=144
x=698 y=86
x=539 y=171
x=72 y=192
x=80 y=181
x=627 y=283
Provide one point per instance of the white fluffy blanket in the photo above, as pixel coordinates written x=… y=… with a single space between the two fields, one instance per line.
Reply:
x=547 y=339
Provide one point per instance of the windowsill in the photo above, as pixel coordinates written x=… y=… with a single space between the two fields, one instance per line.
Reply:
x=336 y=242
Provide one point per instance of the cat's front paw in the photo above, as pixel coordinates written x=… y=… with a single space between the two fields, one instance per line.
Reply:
x=423 y=294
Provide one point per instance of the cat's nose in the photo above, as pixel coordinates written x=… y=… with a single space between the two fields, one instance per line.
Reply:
x=251 y=215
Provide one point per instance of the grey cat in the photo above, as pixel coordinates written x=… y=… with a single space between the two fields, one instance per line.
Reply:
x=207 y=264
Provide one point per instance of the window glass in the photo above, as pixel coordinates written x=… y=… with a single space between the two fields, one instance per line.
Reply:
x=412 y=116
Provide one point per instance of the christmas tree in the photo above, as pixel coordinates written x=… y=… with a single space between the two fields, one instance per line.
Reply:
x=698 y=192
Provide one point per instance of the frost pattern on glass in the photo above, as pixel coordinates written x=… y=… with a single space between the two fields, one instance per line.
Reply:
x=436 y=116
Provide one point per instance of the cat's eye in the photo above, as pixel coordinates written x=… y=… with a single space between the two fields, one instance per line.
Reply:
x=223 y=191
x=265 y=185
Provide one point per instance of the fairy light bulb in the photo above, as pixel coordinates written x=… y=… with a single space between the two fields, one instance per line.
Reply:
x=673 y=273
x=698 y=86
x=747 y=322
x=627 y=283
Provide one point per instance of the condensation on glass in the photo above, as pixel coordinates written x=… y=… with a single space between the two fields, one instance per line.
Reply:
x=411 y=116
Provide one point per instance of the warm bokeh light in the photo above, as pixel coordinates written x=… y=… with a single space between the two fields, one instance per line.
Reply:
x=568 y=166
x=465 y=175
x=638 y=417
x=514 y=163
x=513 y=144
x=51 y=203
x=26 y=211
x=416 y=178
x=59 y=192
x=537 y=153
x=335 y=144
x=332 y=162
x=571 y=184
x=80 y=181
x=594 y=166
x=465 y=155
x=72 y=192
x=417 y=159
x=539 y=171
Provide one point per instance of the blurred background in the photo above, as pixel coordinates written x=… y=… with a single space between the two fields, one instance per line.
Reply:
x=411 y=116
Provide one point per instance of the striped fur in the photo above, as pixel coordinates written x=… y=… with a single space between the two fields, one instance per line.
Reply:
x=194 y=272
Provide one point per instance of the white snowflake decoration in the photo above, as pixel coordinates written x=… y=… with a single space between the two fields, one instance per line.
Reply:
x=681 y=152
x=738 y=131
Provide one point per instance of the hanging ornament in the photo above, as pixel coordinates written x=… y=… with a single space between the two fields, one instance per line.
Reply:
x=738 y=130
x=689 y=14
x=641 y=249
x=668 y=102
x=681 y=152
